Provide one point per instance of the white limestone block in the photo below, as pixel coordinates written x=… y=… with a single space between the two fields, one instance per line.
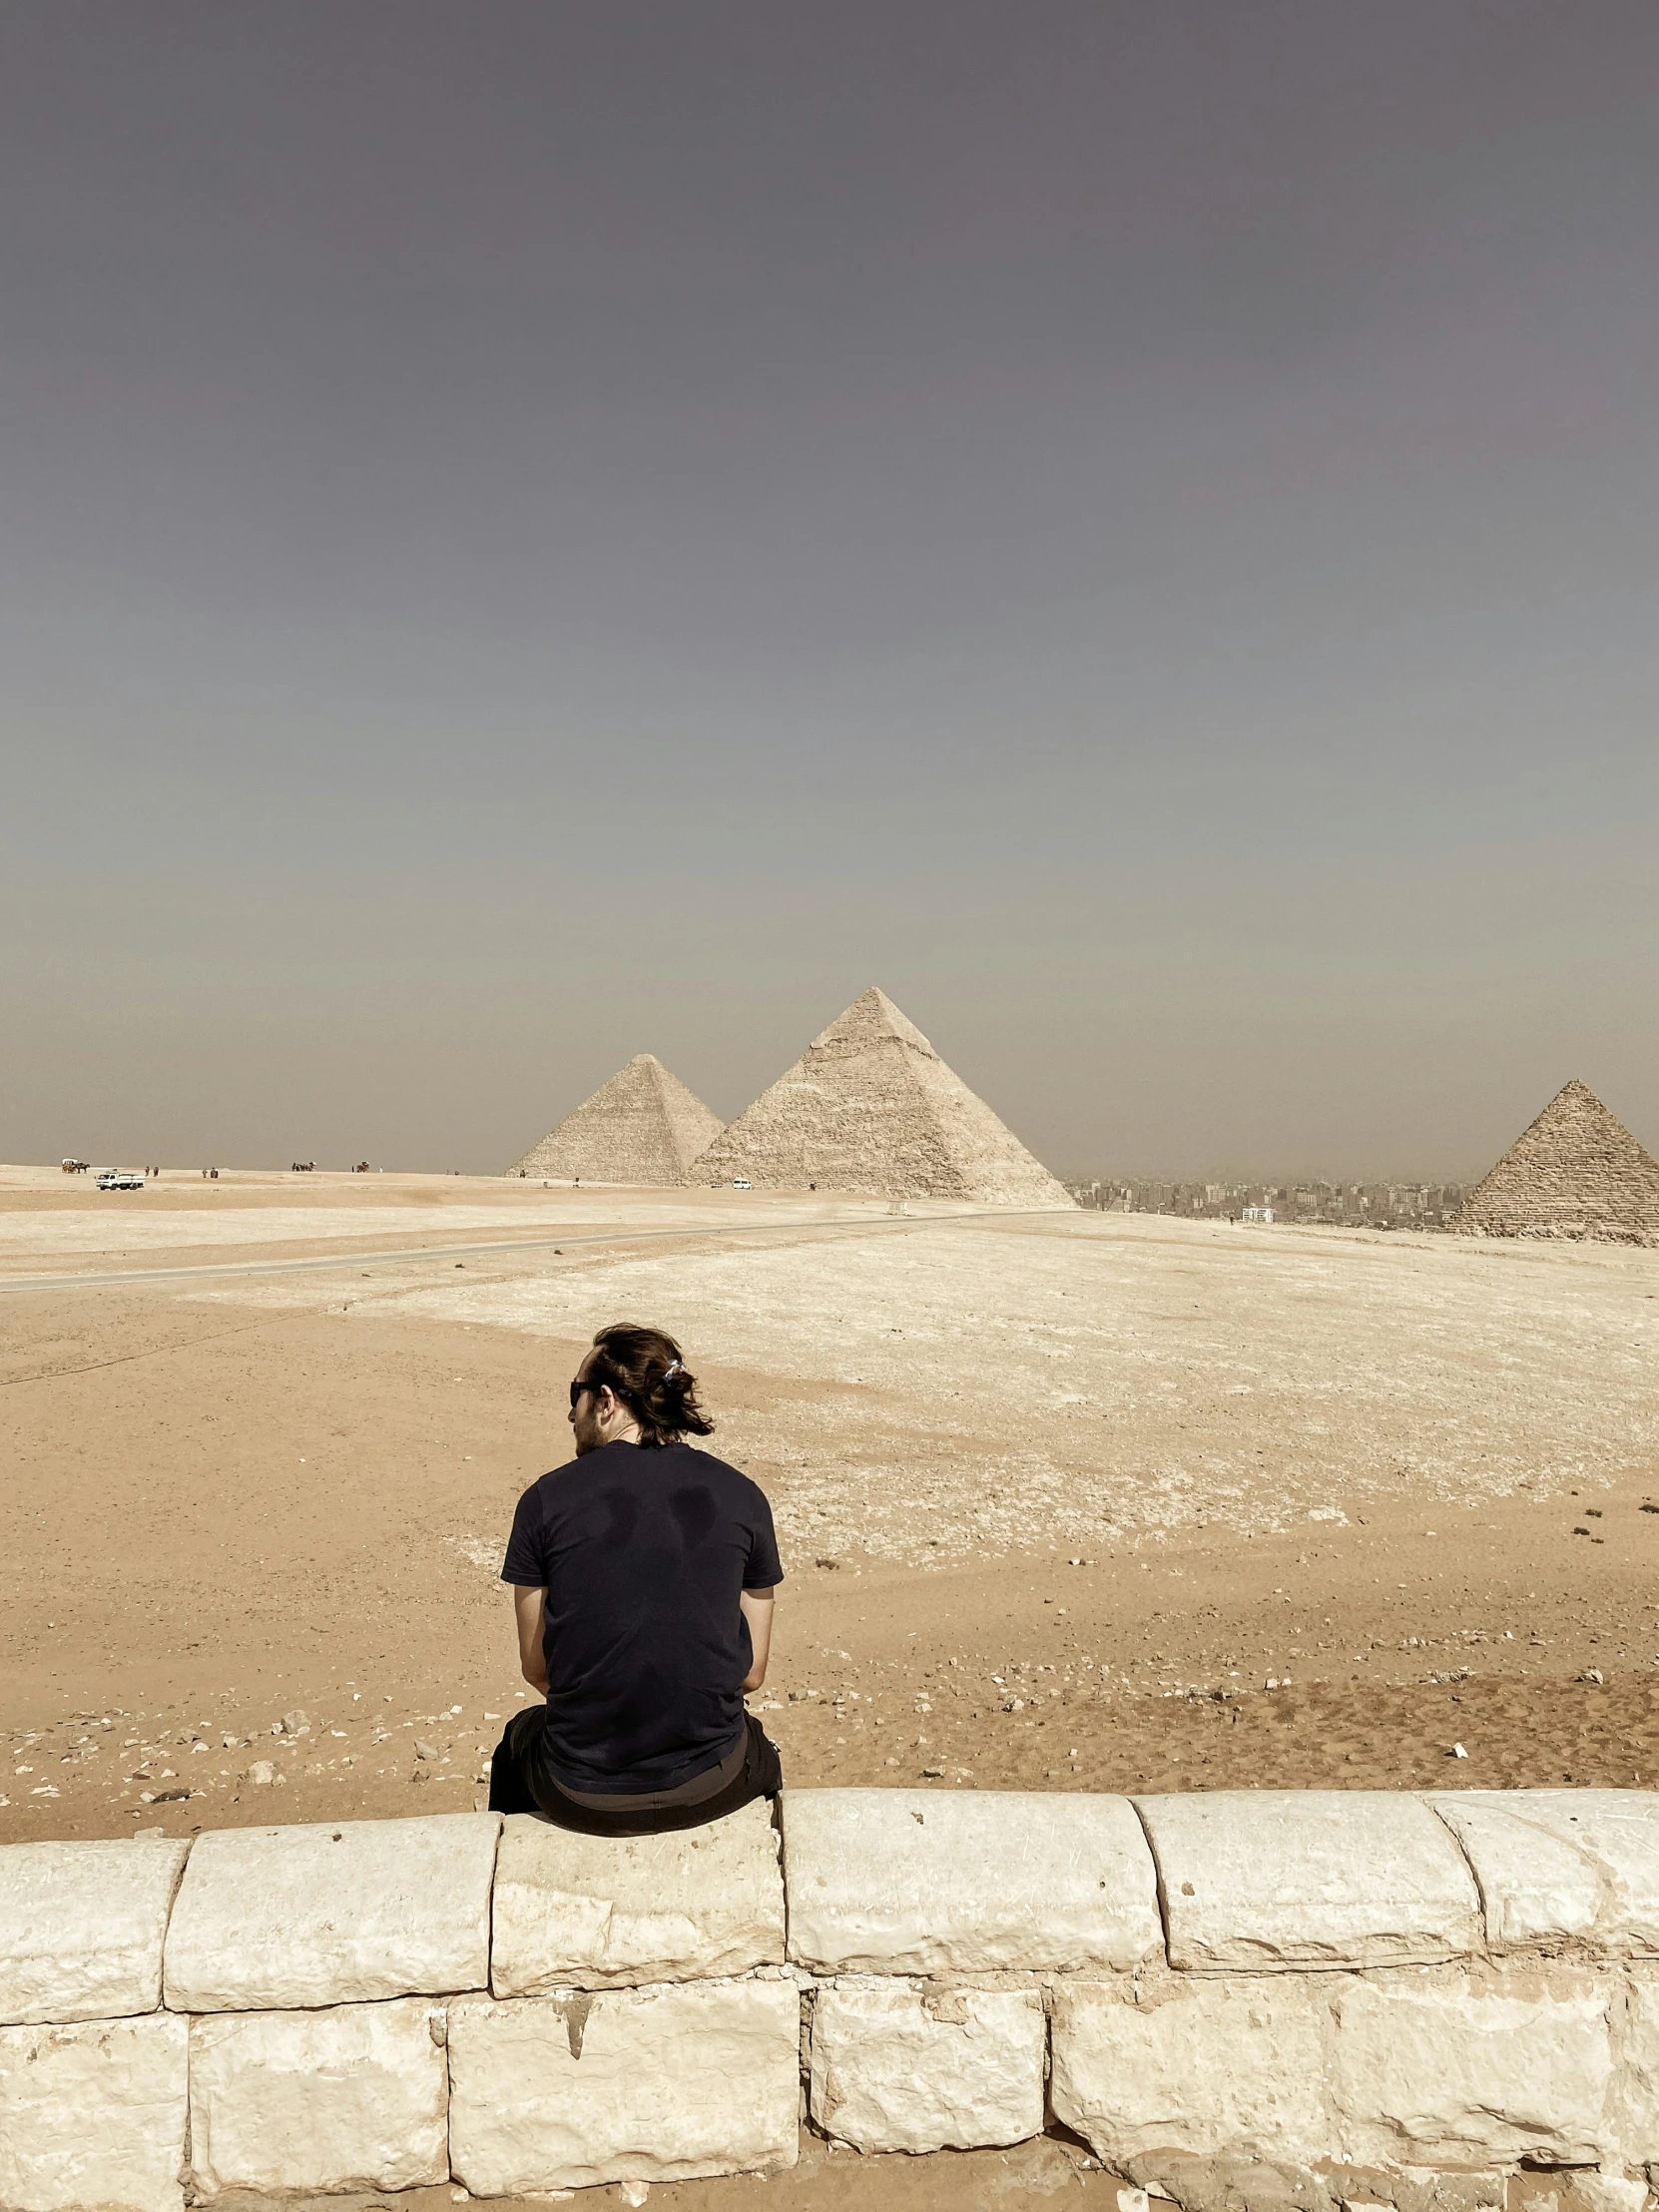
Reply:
x=1431 y=2071
x=966 y=1881
x=1558 y=1867
x=81 y=1928
x=1201 y=2066
x=343 y=1914
x=598 y=1911
x=355 y=2097
x=92 y=2116
x=1610 y=2192
x=896 y=2067
x=1280 y=1878
x=658 y=2085
x=1636 y=2092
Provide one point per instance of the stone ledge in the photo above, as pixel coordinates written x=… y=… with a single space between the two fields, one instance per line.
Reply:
x=1329 y=2002
x=1271 y=1880
x=272 y=1918
x=598 y=1913
x=1562 y=1869
x=920 y=1882
x=82 y=1927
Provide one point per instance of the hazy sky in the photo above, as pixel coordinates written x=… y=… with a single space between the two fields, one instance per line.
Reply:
x=535 y=532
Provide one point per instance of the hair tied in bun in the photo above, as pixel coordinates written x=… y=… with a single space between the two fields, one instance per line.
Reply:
x=644 y=1369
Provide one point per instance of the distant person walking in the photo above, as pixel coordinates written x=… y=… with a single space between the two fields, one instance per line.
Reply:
x=643 y=1577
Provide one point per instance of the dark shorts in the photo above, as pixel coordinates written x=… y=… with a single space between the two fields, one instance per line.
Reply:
x=520 y=1783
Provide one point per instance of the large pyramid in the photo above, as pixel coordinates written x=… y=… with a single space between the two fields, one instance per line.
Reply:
x=643 y=1126
x=1577 y=1172
x=871 y=1108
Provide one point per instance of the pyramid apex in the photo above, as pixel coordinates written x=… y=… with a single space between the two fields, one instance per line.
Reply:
x=1575 y=1097
x=870 y=1017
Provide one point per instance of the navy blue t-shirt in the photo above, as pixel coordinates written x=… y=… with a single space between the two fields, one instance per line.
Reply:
x=642 y=1551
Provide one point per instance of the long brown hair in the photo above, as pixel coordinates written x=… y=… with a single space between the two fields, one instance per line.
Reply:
x=644 y=1370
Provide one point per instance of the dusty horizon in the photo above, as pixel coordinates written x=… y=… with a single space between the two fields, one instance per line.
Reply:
x=1278 y=1176
x=1223 y=1168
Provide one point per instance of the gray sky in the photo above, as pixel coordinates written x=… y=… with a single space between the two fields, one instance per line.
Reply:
x=539 y=532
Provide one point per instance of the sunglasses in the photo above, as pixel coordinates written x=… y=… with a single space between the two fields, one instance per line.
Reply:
x=578 y=1386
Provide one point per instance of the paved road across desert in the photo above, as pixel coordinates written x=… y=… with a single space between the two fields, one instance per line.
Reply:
x=1066 y=1501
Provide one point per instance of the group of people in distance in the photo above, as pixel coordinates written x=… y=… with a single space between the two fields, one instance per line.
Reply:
x=643 y=1574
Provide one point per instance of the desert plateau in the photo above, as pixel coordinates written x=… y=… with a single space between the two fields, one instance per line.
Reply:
x=1065 y=1500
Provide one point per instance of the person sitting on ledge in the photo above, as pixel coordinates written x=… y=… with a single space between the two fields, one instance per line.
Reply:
x=643 y=1577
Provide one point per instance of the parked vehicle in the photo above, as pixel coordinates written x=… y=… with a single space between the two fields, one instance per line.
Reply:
x=740 y=1183
x=121 y=1179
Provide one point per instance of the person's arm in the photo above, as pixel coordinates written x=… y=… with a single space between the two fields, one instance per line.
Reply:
x=756 y=1606
x=528 y=1606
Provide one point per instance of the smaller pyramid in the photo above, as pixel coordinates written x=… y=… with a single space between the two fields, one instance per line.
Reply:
x=871 y=1109
x=643 y=1126
x=1576 y=1172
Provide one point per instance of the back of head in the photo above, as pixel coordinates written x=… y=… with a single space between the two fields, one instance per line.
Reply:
x=645 y=1372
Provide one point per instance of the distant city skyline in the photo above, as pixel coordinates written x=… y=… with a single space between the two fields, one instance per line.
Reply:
x=541 y=534
x=1391 y=1203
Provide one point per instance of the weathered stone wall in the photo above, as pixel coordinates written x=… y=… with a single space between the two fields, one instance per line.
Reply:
x=1325 y=1999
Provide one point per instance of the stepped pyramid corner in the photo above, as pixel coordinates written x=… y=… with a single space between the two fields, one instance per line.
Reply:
x=1576 y=1173
x=643 y=1126
x=869 y=1109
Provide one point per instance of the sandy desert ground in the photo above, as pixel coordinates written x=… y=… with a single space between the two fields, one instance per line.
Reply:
x=1095 y=1502
x=1066 y=1501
